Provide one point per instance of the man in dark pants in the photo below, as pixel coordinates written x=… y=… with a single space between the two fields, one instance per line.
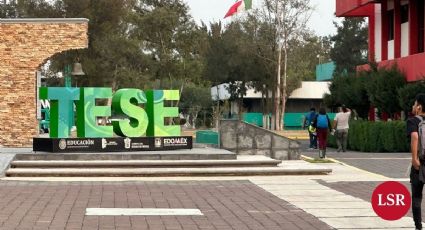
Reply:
x=308 y=118
x=418 y=109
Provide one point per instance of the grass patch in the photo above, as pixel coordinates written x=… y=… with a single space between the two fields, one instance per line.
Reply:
x=318 y=160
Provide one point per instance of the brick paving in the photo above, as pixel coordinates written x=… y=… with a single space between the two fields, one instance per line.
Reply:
x=225 y=205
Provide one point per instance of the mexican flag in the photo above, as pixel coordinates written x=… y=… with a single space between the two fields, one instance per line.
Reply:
x=239 y=6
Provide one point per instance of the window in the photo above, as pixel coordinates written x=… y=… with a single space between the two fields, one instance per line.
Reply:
x=390 y=16
x=404 y=13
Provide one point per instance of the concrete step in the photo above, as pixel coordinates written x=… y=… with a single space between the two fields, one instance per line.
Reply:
x=156 y=172
x=184 y=154
x=244 y=162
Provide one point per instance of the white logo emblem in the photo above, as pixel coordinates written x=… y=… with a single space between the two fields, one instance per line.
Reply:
x=127 y=143
x=157 y=142
x=62 y=144
x=104 y=143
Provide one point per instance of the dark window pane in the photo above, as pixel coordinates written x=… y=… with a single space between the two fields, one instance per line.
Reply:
x=404 y=13
x=390 y=15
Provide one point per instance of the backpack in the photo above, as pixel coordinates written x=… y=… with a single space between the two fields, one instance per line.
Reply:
x=310 y=118
x=322 y=121
x=421 y=142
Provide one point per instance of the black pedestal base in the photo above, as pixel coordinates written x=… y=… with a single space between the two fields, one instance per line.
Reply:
x=116 y=144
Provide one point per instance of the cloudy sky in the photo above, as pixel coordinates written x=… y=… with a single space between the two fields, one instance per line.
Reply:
x=214 y=10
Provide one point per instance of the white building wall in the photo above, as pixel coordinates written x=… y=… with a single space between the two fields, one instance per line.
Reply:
x=404 y=35
x=405 y=39
x=390 y=6
x=391 y=50
x=378 y=33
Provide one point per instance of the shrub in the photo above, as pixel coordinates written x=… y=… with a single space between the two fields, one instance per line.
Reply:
x=369 y=136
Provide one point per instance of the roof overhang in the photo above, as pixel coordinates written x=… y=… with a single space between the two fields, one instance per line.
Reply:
x=355 y=8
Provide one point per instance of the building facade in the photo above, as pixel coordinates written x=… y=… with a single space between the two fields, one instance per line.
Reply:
x=396 y=32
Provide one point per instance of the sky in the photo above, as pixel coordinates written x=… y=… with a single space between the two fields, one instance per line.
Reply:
x=214 y=10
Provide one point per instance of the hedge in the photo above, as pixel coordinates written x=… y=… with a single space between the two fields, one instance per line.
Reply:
x=367 y=136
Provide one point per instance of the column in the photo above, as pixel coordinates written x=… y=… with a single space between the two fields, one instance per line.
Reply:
x=371 y=19
x=413 y=27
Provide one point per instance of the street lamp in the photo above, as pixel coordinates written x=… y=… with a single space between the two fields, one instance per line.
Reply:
x=77 y=70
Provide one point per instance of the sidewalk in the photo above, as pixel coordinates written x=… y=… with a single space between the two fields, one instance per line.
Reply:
x=393 y=165
x=340 y=200
x=261 y=202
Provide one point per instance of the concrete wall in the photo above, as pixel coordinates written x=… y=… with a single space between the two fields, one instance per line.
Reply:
x=247 y=139
x=25 y=44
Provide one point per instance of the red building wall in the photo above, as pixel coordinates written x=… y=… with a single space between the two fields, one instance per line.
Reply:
x=412 y=65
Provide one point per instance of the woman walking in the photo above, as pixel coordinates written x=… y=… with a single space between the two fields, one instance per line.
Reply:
x=323 y=125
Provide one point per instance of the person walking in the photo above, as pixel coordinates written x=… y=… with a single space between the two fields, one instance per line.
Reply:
x=341 y=126
x=308 y=119
x=323 y=125
x=416 y=179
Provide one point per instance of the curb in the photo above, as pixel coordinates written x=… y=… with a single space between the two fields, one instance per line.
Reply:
x=359 y=169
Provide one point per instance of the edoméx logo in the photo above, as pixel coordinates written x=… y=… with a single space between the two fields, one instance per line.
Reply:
x=391 y=200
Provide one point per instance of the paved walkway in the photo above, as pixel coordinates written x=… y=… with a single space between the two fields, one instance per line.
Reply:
x=261 y=202
x=235 y=204
x=337 y=201
x=393 y=165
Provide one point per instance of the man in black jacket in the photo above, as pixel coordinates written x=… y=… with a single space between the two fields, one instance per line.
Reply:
x=418 y=109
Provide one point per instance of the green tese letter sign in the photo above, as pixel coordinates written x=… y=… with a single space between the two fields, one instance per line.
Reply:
x=126 y=104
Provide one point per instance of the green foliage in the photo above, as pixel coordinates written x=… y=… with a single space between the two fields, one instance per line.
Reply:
x=366 y=136
x=195 y=97
x=351 y=91
x=245 y=51
x=407 y=94
x=376 y=87
x=306 y=53
x=350 y=45
x=382 y=86
x=332 y=141
x=132 y=43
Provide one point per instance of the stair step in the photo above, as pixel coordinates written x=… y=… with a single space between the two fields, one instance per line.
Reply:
x=149 y=172
x=266 y=162
x=184 y=154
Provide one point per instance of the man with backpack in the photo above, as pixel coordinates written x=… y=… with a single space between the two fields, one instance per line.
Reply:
x=322 y=123
x=308 y=118
x=416 y=135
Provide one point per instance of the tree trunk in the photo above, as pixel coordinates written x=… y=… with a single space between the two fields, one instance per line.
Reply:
x=284 y=91
x=279 y=58
x=278 y=94
x=273 y=119
x=217 y=115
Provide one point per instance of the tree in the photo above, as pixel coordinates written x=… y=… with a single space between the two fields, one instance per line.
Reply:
x=243 y=54
x=230 y=59
x=304 y=54
x=382 y=87
x=407 y=94
x=350 y=45
x=350 y=91
x=290 y=18
x=194 y=100
x=131 y=42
